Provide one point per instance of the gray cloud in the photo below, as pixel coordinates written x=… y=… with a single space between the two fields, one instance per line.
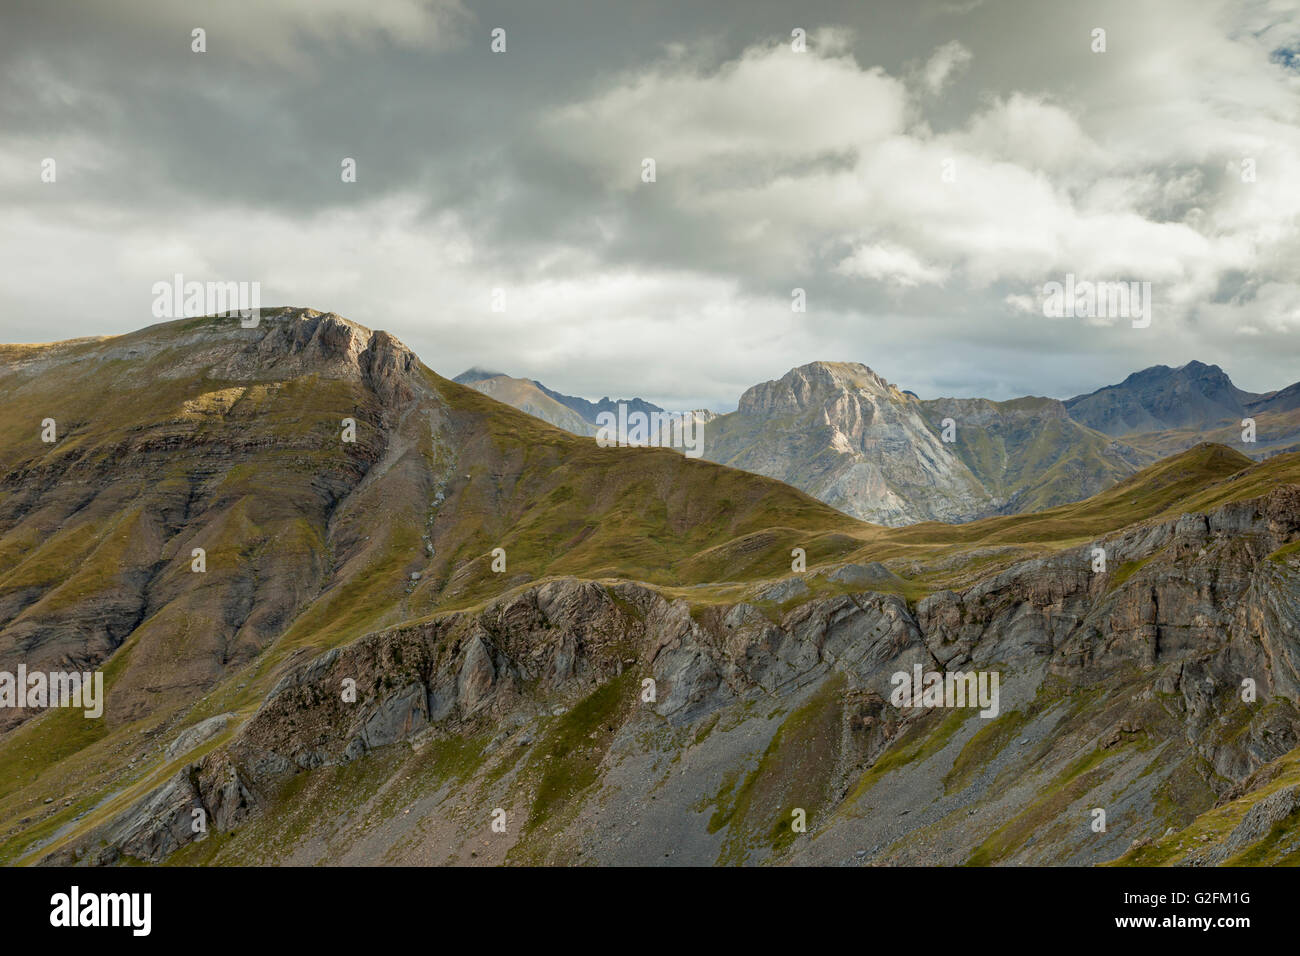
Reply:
x=821 y=170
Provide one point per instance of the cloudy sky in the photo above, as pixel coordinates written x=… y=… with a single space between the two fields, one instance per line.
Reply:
x=921 y=170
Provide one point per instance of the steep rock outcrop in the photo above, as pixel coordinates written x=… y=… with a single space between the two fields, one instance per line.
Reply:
x=846 y=436
x=1186 y=609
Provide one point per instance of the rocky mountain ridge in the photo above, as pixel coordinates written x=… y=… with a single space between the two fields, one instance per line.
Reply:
x=851 y=439
x=1194 y=395
x=499 y=592
x=1166 y=648
x=861 y=451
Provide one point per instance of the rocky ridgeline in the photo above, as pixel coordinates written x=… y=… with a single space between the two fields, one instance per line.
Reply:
x=1159 y=644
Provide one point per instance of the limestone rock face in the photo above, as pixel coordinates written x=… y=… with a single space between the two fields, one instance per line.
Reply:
x=476 y=675
x=1153 y=649
x=843 y=434
x=200 y=733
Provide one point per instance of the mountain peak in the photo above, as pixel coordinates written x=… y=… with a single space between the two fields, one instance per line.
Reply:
x=289 y=342
x=1194 y=395
x=814 y=384
x=304 y=323
x=1194 y=369
x=477 y=373
x=844 y=371
x=1201 y=370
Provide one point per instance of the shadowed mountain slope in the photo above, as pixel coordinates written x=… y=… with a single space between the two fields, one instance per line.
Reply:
x=1196 y=396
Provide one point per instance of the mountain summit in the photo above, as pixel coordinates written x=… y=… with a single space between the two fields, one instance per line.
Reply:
x=329 y=479
x=1194 y=395
x=845 y=435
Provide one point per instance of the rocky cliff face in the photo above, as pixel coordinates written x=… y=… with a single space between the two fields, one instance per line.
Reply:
x=1120 y=690
x=849 y=438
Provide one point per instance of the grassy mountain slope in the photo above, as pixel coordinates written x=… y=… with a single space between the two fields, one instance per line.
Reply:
x=1029 y=454
x=200 y=434
x=749 y=725
x=521 y=688
x=1276 y=432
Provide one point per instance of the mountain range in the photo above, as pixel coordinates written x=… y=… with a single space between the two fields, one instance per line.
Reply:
x=573 y=414
x=349 y=611
x=872 y=450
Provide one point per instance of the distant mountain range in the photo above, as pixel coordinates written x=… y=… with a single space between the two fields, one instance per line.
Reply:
x=843 y=434
x=1158 y=398
x=573 y=414
x=527 y=396
x=1163 y=410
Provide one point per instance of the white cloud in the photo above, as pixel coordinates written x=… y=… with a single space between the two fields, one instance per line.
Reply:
x=769 y=107
x=1034 y=134
x=944 y=65
x=890 y=263
x=1044 y=184
x=1020 y=302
